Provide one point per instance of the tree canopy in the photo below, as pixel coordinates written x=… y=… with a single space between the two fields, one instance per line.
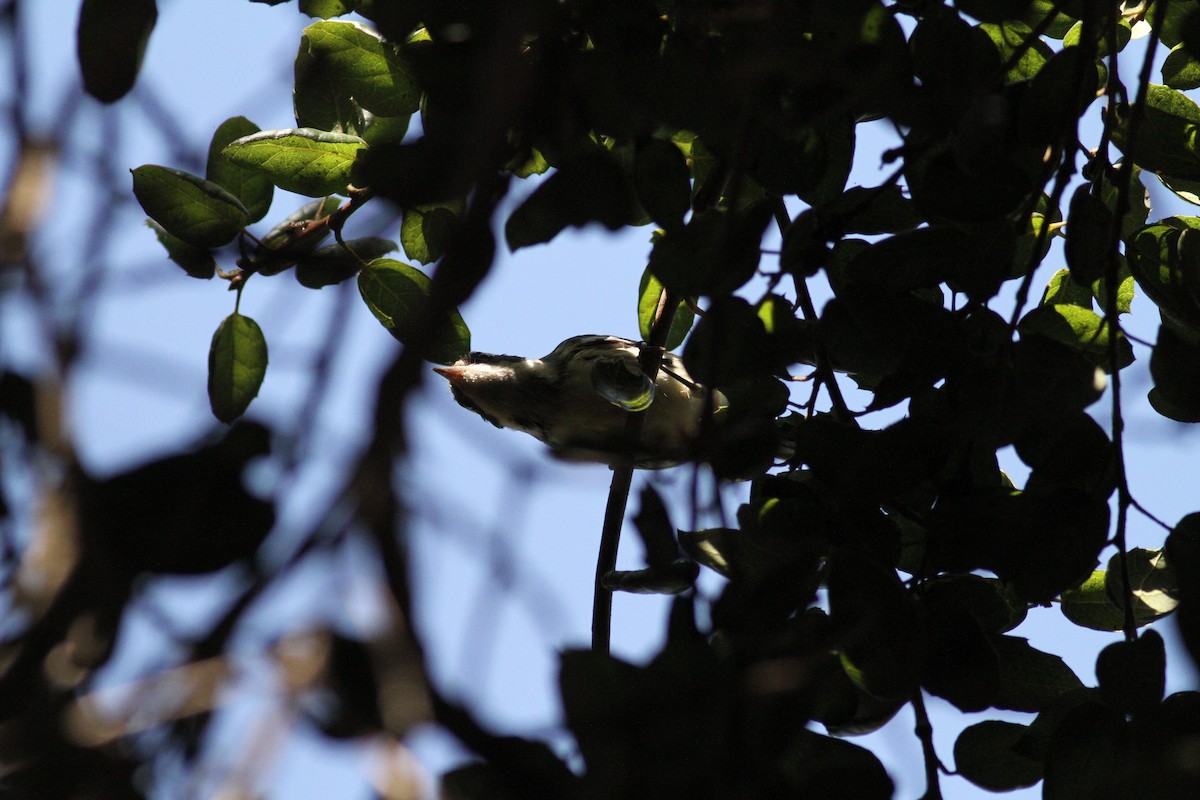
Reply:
x=976 y=300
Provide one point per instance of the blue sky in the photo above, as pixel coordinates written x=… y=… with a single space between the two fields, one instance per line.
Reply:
x=504 y=536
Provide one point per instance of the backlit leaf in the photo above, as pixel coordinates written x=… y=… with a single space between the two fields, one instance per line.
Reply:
x=300 y=160
x=196 y=261
x=397 y=295
x=248 y=185
x=237 y=364
x=650 y=292
x=194 y=210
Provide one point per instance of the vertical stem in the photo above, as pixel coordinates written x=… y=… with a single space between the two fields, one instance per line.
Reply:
x=618 y=492
x=924 y=731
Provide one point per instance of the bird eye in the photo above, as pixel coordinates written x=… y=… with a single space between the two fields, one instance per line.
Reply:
x=620 y=381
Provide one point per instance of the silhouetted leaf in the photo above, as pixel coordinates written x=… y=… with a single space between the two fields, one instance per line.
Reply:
x=1133 y=675
x=590 y=188
x=334 y=263
x=984 y=755
x=1030 y=680
x=1086 y=747
x=196 y=261
x=1175 y=368
x=1088 y=235
x=111 y=40
x=661 y=181
x=714 y=254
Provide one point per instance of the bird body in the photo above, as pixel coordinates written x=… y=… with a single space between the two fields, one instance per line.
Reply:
x=578 y=398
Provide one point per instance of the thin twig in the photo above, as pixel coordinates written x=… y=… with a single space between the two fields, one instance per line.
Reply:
x=1124 y=183
x=650 y=359
x=924 y=731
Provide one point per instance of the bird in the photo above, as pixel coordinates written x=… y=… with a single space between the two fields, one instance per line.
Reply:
x=578 y=398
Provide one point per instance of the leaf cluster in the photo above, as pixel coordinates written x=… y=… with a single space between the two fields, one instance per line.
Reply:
x=877 y=564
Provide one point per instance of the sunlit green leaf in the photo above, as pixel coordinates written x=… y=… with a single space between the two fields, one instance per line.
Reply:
x=426 y=232
x=327 y=8
x=1181 y=70
x=1063 y=290
x=397 y=295
x=1011 y=37
x=194 y=210
x=1167 y=138
x=250 y=186
x=650 y=291
x=237 y=364
x=367 y=68
x=1079 y=328
x=301 y=160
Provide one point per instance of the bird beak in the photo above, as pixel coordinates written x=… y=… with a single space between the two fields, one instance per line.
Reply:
x=455 y=375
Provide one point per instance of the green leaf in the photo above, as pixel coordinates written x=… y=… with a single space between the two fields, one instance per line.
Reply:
x=1011 y=36
x=984 y=755
x=250 y=186
x=327 y=8
x=1030 y=679
x=589 y=188
x=1062 y=290
x=1040 y=9
x=1167 y=140
x=237 y=364
x=1078 y=328
x=397 y=295
x=391 y=130
x=196 y=261
x=194 y=210
x=365 y=67
x=110 y=42
x=1166 y=265
x=1153 y=581
x=1181 y=70
x=334 y=263
x=1090 y=605
x=1104 y=46
x=426 y=232
x=300 y=160
x=650 y=291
